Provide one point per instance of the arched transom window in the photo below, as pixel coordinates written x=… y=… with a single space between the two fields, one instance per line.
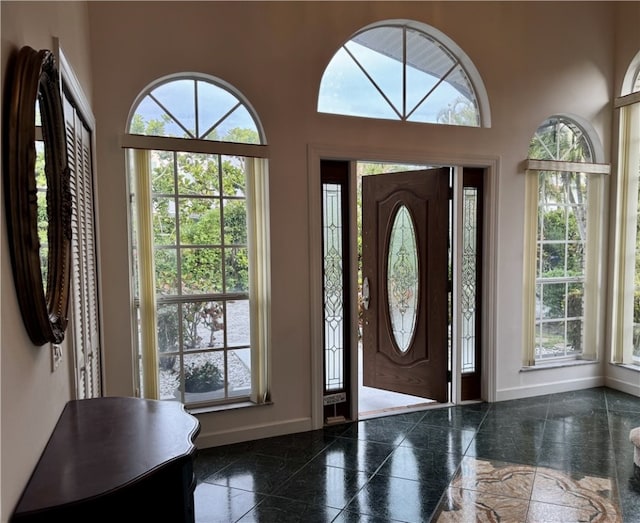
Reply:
x=561 y=139
x=402 y=70
x=195 y=108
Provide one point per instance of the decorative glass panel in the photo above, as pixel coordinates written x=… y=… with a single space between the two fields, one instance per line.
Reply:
x=469 y=278
x=403 y=279
x=332 y=255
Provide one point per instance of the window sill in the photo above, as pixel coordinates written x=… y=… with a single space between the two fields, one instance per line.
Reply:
x=558 y=365
x=226 y=407
x=628 y=366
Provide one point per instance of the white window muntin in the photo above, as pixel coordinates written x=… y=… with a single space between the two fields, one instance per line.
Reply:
x=395 y=69
x=556 y=161
x=257 y=234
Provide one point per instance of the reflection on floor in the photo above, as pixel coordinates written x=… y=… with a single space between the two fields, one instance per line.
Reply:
x=561 y=457
x=485 y=490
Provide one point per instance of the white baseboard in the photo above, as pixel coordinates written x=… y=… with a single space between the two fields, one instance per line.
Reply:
x=265 y=430
x=623 y=385
x=529 y=391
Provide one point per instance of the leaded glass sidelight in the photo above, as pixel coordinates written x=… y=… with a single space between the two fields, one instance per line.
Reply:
x=403 y=278
x=333 y=260
x=469 y=278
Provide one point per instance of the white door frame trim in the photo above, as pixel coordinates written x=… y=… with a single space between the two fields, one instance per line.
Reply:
x=317 y=152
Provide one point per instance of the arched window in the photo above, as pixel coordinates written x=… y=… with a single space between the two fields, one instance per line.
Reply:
x=562 y=247
x=198 y=205
x=631 y=80
x=402 y=70
x=560 y=138
x=626 y=281
x=196 y=108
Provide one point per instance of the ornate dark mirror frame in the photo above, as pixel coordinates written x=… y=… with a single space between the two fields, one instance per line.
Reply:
x=33 y=78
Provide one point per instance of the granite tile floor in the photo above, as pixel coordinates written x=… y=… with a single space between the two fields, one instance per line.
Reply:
x=561 y=457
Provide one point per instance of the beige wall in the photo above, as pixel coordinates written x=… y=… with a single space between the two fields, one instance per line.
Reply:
x=32 y=396
x=536 y=59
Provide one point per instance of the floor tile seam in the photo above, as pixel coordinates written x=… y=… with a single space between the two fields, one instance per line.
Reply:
x=548 y=503
x=297 y=500
x=356 y=494
x=346 y=511
x=319 y=452
x=338 y=438
x=379 y=474
x=302 y=462
x=329 y=466
x=507 y=463
x=266 y=497
x=250 y=510
x=493 y=494
x=444 y=427
x=624 y=411
x=248 y=491
x=446 y=489
x=384 y=461
x=618 y=491
x=616 y=501
x=383 y=442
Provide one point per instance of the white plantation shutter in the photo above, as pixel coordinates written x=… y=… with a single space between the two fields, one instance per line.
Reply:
x=85 y=322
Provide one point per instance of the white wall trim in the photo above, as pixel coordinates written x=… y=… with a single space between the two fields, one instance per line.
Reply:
x=550 y=387
x=623 y=379
x=71 y=82
x=252 y=432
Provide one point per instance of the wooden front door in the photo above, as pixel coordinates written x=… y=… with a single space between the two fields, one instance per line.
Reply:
x=405 y=235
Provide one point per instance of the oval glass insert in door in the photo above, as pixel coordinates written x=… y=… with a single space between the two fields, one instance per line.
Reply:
x=403 y=278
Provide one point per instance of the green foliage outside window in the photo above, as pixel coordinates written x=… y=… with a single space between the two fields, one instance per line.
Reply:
x=200 y=239
x=205 y=377
x=561 y=237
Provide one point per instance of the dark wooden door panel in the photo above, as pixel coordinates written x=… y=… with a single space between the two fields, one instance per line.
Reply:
x=418 y=364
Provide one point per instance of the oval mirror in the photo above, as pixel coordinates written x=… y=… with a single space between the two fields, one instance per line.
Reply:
x=41 y=272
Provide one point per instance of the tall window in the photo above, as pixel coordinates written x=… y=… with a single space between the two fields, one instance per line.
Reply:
x=402 y=70
x=200 y=242
x=565 y=242
x=626 y=306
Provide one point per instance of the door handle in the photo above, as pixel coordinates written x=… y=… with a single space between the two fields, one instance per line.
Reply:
x=365 y=293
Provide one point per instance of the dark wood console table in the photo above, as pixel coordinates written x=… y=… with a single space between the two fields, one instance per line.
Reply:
x=114 y=459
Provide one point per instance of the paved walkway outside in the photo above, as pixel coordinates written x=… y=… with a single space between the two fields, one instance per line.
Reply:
x=375 y=402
